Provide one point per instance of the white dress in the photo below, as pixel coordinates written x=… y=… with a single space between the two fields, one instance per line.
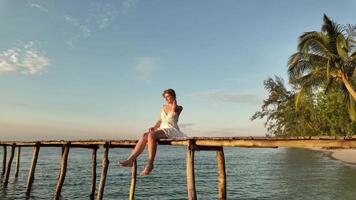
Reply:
x=169 y=125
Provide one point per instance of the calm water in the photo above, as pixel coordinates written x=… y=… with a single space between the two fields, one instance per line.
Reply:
x=283 y=173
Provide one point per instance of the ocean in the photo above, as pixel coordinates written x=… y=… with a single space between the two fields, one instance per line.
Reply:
x=252 y=173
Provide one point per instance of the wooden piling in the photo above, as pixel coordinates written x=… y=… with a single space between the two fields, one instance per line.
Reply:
x=31 y=173
x=133 y=180
x=62 y=152
x=93 y=172
x=220 y=159
x=105 y=164
x=192 y=195
x=18 y=161
x=4 y=152
x=62 y=175
x=8 y=168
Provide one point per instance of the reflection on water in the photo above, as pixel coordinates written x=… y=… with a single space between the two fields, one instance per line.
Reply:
x=283 y=173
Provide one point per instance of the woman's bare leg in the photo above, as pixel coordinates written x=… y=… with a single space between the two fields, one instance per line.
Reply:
x=152 y=148
x=140 y=146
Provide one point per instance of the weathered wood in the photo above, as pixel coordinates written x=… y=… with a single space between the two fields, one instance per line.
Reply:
x=8 y=167
x=62 y=152
x=220 y=159
x=207 y=148
x=93 y=174
x=192 y=195
x=271 y=143
x=260 y=142
x=4 y=152
x=31 y=173
x=133 y=180
x=18 y=162
x=62 y=176
x=105 y=164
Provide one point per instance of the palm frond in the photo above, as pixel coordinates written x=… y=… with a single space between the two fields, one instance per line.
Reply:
x=342 y=47
x=330 y=28
x=300 y=63
x=315 y=42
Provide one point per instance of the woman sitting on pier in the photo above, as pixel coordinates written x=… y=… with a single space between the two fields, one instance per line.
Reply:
x=165 y=127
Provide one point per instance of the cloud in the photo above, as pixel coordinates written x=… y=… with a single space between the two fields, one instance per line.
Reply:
x=39 y=4
x=186 y=125
x=103 y=14
x=145 y=67
x=225 y=96
x=25 y=58
x=127 y=4
x=83 y=30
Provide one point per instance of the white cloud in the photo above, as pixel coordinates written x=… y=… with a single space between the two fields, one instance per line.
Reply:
x=101 y=15
x=26 y=59
x=127 y=4
x=39 y=4
x=84 y=30
x=145 y=68
x=226 y=96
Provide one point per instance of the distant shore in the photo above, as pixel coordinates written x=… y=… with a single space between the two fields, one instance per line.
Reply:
x=344 y=155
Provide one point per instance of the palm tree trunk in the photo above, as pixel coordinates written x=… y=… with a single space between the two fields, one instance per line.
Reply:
x=348 y=86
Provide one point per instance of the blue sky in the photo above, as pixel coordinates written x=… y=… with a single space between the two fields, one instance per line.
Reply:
x=96 y=69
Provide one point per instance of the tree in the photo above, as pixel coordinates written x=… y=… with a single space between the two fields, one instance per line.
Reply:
x=326 y=57
x=283 y=118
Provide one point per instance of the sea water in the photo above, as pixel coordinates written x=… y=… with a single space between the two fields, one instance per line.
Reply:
x=252 y=173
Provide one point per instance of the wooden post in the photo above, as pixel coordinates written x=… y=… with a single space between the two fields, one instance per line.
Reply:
x=93 y=172
x=31 y=173
x=105 y=164
x=3 y=160
x=62 y=152
x=8 y=168
x=192 y=195
x=18 y=161
x=133 y=180
x=220 y=159
x=62 y=175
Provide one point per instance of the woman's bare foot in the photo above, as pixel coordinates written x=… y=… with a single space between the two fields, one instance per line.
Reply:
x=125 y=163
x=147 y=170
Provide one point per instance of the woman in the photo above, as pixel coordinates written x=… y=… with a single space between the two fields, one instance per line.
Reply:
x=165 y=127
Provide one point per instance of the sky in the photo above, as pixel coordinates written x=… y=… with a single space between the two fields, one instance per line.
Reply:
x=97 y=69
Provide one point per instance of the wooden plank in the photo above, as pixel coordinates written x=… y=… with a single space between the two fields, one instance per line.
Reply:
x=279 y=143
x=260 y=141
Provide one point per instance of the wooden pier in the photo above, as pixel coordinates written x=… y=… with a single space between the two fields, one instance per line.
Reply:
x=192 y=144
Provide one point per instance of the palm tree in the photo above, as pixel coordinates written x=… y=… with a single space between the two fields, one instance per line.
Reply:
x=325 y=57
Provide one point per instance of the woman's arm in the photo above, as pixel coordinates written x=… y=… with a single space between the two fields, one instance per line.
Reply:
x=156 y=126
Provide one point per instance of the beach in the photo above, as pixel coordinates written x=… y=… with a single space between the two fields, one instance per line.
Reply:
x=344 y=155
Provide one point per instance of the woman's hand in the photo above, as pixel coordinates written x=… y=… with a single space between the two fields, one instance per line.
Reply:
x=152 y=129
x=174 y=103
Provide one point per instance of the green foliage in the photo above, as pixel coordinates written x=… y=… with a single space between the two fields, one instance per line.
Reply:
x=326 y=56
x=322 y=74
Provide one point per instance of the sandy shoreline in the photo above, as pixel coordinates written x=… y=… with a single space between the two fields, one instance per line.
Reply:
x=344 y=155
